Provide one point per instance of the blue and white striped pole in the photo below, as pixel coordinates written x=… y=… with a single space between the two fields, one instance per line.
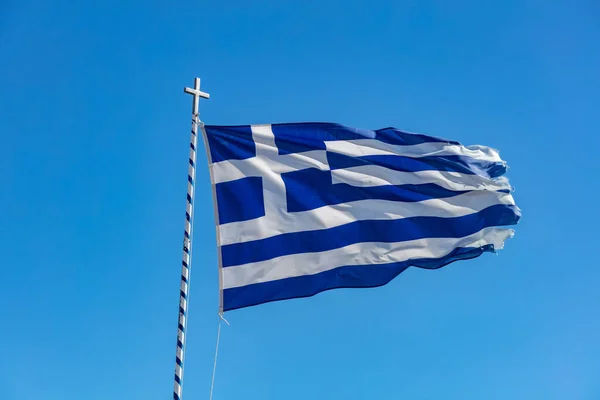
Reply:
x=186 y=263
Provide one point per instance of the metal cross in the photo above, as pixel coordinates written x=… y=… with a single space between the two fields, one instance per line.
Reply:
x=197 y=94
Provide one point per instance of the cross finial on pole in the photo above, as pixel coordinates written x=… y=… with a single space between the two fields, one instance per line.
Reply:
x=197 y=94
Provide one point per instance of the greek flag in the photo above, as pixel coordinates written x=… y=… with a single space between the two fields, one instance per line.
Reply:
x=306 y=207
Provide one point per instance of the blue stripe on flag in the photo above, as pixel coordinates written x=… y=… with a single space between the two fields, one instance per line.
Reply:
x=308 y=189
x=386 y=231
x=362 y=276
x=395 y=136
x=462 y=164
x=300 y=137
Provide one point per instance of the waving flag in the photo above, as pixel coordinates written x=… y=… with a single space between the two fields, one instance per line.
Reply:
x=307 y=207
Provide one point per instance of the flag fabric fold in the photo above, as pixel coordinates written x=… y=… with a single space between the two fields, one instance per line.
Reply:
x=306 y=207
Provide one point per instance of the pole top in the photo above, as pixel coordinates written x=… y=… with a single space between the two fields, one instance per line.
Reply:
x=195 y=91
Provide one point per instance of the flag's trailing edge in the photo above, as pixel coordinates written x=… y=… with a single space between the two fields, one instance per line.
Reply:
x=302 y=208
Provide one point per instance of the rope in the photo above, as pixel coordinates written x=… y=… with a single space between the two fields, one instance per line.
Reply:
x=212 y=385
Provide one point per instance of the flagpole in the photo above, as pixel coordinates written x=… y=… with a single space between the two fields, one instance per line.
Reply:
x=186 y=263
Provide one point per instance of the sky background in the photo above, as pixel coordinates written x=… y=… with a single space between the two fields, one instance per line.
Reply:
x=93 y=161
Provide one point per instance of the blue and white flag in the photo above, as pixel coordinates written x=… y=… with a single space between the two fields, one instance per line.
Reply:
x=307 y=207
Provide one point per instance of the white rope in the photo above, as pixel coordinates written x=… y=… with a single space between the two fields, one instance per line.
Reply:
x=212 y=385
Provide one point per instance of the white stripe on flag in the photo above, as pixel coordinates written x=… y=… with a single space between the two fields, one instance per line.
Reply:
x=372 y=147
x=376 y=175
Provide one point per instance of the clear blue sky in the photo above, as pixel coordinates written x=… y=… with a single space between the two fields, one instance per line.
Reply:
x=93 y=160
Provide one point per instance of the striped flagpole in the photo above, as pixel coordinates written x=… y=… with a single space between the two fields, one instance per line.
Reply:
x=186 y=262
